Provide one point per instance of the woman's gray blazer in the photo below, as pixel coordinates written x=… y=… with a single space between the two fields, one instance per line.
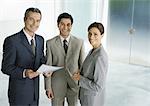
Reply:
x=93 y=76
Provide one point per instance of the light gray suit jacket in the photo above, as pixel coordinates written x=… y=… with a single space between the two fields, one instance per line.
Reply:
x=71 y=61
x=93 y=75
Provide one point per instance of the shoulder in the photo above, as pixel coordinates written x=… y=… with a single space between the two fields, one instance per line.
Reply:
x=102 y=51
x=102 y=55
x=52 y=39
x=76 y=39
x=40 y=37
x=13 y=37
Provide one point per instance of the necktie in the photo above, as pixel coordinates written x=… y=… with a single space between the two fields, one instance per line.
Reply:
x=65 y=45
x=33 y=46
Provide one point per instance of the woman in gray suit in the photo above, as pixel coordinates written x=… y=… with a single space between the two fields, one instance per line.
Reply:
x=94 y=69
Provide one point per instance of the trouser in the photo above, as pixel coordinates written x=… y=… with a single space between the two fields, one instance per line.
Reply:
x=63 y=88
x=34 y=103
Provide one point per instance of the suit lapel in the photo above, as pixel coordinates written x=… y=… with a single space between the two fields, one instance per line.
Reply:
x=59 y=44
x=37 y=44
x=70 y=46
x=37 y=50
x=25 y=42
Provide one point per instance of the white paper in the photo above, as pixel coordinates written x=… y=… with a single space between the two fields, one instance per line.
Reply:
x=47 y=68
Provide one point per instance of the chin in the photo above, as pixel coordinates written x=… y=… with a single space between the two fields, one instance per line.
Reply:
x=92 y=43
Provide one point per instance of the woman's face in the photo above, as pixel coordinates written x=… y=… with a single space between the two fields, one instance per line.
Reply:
x=94 y=37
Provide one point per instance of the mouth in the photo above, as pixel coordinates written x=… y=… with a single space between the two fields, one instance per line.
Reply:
x=91 y=40
x=65 y=31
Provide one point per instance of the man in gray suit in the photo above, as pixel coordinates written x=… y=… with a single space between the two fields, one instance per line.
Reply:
x=67 y=51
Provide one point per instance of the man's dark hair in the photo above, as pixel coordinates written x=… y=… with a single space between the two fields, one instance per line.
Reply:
x=64 y=15
x=31 y=10
x=97 y=25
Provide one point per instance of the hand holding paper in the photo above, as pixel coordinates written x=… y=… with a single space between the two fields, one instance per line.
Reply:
x=46 y=68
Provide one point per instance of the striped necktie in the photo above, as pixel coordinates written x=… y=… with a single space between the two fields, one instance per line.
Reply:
x=33 y=46
x=65 y=45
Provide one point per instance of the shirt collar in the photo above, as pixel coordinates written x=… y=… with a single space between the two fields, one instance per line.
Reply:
x=62 y=39
x=29 y=37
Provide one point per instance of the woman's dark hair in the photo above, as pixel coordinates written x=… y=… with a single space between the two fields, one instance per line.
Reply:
x=98 y=25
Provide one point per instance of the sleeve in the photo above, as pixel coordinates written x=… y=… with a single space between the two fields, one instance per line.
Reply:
x=9 y=59
x=81 y=55
x=47 y=80
x=43 y=58
x=97 y=83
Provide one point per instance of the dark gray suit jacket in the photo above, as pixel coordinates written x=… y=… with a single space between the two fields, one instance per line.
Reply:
x=17 y=56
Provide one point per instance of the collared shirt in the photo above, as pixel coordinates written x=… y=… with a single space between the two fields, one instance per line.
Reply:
x=62 y=39
x=29 y=38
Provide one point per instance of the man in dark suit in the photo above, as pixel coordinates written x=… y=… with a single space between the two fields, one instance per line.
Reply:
x=22 y=56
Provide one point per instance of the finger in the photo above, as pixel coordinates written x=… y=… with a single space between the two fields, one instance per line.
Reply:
x=52 y=96
x=47 y=94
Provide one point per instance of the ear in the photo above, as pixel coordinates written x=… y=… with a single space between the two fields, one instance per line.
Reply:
x=102 y=35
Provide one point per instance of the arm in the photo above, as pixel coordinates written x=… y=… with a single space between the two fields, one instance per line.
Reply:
x=81 y=55
x=9 y=58
x=43 y=58
x=47 y=78
x=99 y=77
x=48 y=62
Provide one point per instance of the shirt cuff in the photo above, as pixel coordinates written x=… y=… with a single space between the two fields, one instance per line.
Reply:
x=24 y=76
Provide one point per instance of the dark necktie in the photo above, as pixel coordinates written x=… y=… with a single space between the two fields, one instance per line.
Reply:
x=65 y=45
x=33 y=46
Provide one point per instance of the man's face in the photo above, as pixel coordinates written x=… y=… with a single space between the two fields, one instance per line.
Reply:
x=65 y=27
x=32 y=22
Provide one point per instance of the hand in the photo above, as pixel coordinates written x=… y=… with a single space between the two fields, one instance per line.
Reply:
x=30 y=73
x=48 y=74
x=49 y=94
x=76 y=76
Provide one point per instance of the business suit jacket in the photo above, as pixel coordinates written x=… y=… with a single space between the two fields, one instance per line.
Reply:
x=71 y=61
x=93 y=75
x=18 y=56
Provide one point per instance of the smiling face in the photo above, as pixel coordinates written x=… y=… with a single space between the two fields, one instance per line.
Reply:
x=65 y=27
x=32 y=22
x=94 y=37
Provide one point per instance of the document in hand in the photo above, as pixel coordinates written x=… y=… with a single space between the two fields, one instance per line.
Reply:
x=47 y=68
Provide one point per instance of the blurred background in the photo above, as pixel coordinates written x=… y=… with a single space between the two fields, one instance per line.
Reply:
x=126 y=40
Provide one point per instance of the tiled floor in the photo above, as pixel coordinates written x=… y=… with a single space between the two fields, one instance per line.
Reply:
x=127 y=85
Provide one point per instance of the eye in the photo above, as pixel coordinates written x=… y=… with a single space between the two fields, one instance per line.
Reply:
x=61 y=23
x=95 y=34
x=89 y=33
x=69 y=25
x=30 y=18
x=38 y=21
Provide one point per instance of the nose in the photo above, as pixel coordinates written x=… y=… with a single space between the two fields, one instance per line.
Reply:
x=35 y=22
x=65 y=27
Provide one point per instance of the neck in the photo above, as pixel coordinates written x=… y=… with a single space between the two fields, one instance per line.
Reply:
x=95 y=47
x=29 y=32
